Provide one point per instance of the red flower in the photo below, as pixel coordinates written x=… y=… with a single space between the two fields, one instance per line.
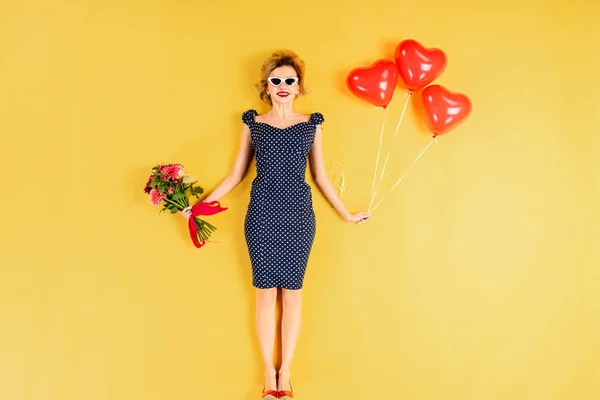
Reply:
x=148 y=188
x=172 y=171
x=156 y=197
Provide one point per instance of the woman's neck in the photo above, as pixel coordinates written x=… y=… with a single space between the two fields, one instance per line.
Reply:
x=283 y=111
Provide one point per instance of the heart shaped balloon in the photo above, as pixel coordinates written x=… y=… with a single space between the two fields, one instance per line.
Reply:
x=375 y=84
x=418 y=66
x=444 y=110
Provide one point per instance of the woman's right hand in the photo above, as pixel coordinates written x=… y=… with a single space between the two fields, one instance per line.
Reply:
x=360 y=217
x=187 y=212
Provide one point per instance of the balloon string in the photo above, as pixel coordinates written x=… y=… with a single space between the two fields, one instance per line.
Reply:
x=374 y=191
x=406 y=171
x=407 y=95
x=378 y=154
x=383 y=170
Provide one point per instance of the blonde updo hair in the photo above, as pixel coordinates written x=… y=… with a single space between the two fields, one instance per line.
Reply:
x=279 y=59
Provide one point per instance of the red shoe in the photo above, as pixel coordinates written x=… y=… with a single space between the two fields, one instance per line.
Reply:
x=286 y=394
x=270 y=395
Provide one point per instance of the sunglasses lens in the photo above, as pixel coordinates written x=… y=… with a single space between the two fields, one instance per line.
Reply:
x=275 y=81
x=290 y=81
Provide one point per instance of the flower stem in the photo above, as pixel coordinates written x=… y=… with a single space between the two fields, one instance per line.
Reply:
x=174 y=203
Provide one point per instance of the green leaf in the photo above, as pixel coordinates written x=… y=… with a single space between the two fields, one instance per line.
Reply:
x=198 y=190
x=174 y=210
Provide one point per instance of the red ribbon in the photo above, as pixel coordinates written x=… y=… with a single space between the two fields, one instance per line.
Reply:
x=202 y=208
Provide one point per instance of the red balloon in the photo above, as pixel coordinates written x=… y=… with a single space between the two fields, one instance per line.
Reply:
x=375 y=84
x=417 y=65
x=444 y=110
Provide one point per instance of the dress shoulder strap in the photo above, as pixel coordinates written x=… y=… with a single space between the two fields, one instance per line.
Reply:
x=316 y=118
x=248 y=117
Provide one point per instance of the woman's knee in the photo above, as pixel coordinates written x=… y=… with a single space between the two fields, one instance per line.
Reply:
x=266 y=297
x=291 y=297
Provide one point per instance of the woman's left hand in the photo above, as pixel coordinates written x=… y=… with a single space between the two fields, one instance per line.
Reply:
x=359 y=218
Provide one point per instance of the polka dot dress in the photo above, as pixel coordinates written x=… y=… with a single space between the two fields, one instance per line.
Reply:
x=280 y=222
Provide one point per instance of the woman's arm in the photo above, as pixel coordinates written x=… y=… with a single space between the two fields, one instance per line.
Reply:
x=238 y=171
x=320 y=176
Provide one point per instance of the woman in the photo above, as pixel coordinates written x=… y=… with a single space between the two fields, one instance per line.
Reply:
x=280 y=222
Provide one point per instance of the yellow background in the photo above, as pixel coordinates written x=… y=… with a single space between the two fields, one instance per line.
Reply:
x=476 y=279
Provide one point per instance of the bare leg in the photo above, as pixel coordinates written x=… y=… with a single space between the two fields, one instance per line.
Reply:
x=266 y=300
x=290 y=328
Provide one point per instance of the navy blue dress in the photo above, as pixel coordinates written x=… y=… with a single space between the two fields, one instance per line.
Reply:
x=280 y=221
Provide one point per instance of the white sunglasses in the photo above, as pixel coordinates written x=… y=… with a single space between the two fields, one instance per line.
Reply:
x=290 y=81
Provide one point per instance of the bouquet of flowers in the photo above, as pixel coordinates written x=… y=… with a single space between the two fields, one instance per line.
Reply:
x=168 y=184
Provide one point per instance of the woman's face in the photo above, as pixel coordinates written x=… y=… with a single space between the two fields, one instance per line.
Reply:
x=280 y=89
